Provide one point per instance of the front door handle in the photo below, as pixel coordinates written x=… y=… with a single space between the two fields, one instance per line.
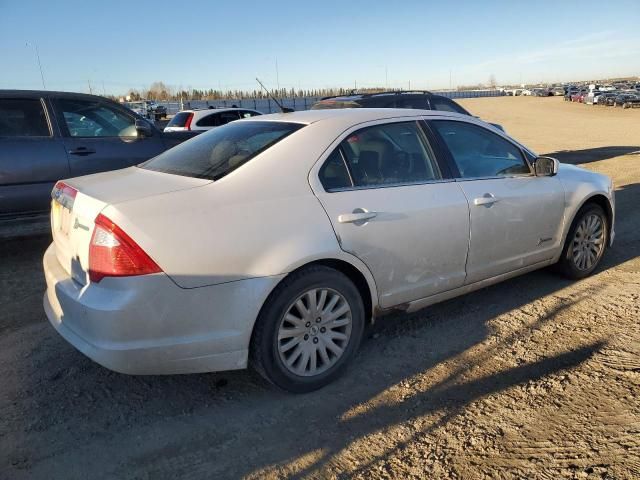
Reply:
x=487 y=200
x=82 y=151
x=359 y=216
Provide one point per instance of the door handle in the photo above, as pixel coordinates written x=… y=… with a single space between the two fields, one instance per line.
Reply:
x=82 y=151
x=487 y=200
x=359 y=216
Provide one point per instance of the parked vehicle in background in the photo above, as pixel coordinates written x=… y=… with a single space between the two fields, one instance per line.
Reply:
x=206 y=119
x=540 y=92
x=273 y=240
x=625 y=98
x=558 y=91
x=421 y=100
x=526 y=92
x=47 y=136
x=148 y=109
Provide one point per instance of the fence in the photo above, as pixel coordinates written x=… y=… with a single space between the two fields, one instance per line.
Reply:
x=266 y=105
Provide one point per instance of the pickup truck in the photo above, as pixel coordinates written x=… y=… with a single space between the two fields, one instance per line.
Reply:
x=48 y=136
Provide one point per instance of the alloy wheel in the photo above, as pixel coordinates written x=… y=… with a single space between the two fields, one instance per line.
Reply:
x=588 y=242
x=314 y=332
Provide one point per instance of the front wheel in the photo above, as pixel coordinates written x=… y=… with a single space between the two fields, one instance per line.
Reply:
x=308 y=330
x=585 y=244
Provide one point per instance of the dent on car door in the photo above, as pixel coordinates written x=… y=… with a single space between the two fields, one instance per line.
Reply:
x=516 y=217
x=99 y=136
x=384 y=192
x=32 y=157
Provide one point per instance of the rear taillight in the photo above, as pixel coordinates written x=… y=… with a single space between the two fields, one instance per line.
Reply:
x=64 y=194
x=187 y=124
x=112 y=253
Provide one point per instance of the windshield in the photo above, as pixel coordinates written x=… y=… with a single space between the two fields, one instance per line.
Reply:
x=214 y=154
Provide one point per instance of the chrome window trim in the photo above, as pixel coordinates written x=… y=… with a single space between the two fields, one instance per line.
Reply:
x=494 y=177
x=390 y=185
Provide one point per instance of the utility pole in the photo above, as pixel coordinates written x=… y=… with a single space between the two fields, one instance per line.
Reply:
x=104 y=91
x=450 y=83
x=277 y=76
x=386 y=78
x=89 y=83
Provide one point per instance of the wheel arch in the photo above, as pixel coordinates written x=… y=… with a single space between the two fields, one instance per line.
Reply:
x=602 y=201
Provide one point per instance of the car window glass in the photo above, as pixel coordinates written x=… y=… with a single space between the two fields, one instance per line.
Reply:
x=226 y=117
x=248 y=113
x=334 y=174
x=394 y=153
x=215 y=153
x=413 y=101
x=478 y=152
x=212 y=120
x=22 y=118
x=93 y=119
x=445 y=105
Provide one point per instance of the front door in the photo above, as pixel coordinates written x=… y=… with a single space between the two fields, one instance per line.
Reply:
x=391 y=207
x=516 y=217
x=100 y=137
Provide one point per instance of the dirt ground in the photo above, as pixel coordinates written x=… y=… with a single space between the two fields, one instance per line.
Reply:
x=535 y=378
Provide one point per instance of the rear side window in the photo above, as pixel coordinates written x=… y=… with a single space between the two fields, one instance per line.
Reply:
x=179 y=119
x=212 y=120
x=446 y=105
x=214 y=154
x=389 y=154
x=23 y=118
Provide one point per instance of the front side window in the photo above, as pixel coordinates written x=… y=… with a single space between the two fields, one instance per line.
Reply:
x=219 y=151
x=94 y=119
x=390 y=154
x=477 y=152
x=23 y=118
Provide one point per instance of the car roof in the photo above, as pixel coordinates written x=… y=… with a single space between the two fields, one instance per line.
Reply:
x=353 y=115
x=49 y=93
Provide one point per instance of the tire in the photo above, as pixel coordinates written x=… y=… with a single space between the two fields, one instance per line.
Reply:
x=267 y=351
x=572 y=264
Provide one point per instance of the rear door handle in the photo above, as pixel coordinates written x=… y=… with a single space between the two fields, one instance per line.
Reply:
x=359 y=216
x=487 y=200
x=82 y=151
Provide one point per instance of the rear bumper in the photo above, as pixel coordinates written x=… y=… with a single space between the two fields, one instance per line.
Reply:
x=149 y=325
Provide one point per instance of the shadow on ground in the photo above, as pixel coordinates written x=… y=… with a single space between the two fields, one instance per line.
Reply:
x=589 y=155
x=66 y=416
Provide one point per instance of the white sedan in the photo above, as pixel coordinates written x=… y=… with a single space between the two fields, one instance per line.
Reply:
x=274 y=239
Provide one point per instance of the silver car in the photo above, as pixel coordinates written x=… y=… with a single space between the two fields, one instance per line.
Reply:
x=273 y=240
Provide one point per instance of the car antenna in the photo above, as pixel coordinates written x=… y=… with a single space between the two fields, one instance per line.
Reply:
x=282 y=109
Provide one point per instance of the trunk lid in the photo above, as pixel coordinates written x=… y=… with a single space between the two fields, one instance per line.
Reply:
x=77 y=202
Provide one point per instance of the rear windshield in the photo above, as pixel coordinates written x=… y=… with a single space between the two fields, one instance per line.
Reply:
x=215 y=153
x=179 y=119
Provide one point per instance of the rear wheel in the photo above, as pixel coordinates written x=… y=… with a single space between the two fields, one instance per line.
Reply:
x=586 y=242
x=308 y=330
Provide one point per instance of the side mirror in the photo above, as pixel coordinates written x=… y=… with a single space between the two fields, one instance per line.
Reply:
x=546 y=166
x=143 y=128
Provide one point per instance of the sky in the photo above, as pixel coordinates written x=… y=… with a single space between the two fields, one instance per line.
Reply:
x=116 y=45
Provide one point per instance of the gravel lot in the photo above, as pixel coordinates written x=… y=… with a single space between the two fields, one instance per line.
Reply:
x=537 y=377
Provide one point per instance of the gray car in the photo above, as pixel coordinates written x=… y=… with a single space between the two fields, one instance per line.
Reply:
x=48 y=136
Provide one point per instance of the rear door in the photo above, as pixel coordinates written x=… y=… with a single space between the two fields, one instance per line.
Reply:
x=516 y=217
x=391 y=206
x=32 y=156
x=99 y=136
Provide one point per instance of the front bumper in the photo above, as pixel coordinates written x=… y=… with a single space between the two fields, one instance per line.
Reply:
x=149 y=325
